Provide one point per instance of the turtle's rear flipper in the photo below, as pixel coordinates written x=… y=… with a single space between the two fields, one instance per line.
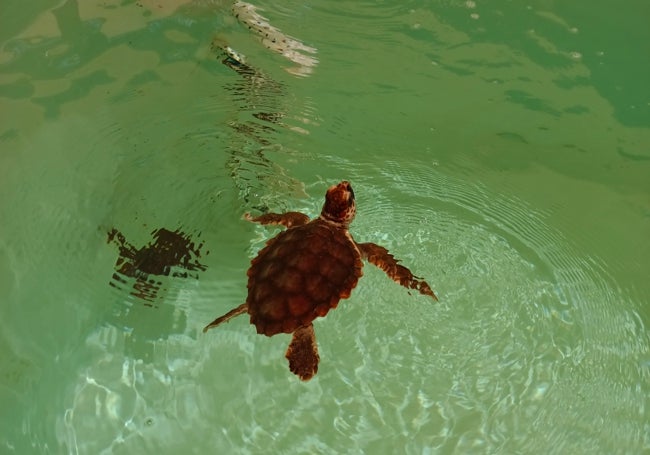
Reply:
x=243 y=308
x=303 y=353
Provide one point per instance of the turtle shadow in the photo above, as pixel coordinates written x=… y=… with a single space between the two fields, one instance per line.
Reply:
x=145 y=274
x=170 y=253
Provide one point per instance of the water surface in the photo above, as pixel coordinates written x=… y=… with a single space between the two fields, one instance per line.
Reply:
x=499 y=149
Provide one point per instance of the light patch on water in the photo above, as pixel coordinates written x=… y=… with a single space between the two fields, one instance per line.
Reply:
x=545 y=313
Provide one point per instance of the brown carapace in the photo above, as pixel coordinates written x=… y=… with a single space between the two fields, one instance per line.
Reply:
x=305 y=270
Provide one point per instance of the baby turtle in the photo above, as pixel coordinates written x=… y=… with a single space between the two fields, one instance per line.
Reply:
x=304 y=271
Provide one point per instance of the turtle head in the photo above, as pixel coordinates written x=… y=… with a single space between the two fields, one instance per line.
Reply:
x=339 y=205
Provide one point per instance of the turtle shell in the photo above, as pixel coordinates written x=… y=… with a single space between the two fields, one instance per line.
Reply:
x=300 y=275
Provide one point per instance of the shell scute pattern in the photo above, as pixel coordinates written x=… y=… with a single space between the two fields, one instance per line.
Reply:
x=301 y=275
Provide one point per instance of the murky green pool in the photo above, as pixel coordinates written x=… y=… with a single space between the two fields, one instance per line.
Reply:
x=500 y=149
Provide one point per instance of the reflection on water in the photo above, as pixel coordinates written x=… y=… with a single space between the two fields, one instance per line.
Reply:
x=256 y=94
x=274 y=39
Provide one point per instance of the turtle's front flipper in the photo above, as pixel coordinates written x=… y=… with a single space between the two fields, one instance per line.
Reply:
x=288 y=219
x=303 y=353
x=243 y=308
x=379 y=256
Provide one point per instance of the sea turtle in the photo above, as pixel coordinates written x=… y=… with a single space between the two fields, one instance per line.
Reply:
x=305 y=270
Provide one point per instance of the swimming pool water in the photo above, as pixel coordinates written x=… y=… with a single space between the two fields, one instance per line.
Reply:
x=499 y=149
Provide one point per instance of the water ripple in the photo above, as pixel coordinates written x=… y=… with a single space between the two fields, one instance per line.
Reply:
x=521 y=353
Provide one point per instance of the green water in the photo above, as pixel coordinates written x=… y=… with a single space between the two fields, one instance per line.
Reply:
x=500 y=149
